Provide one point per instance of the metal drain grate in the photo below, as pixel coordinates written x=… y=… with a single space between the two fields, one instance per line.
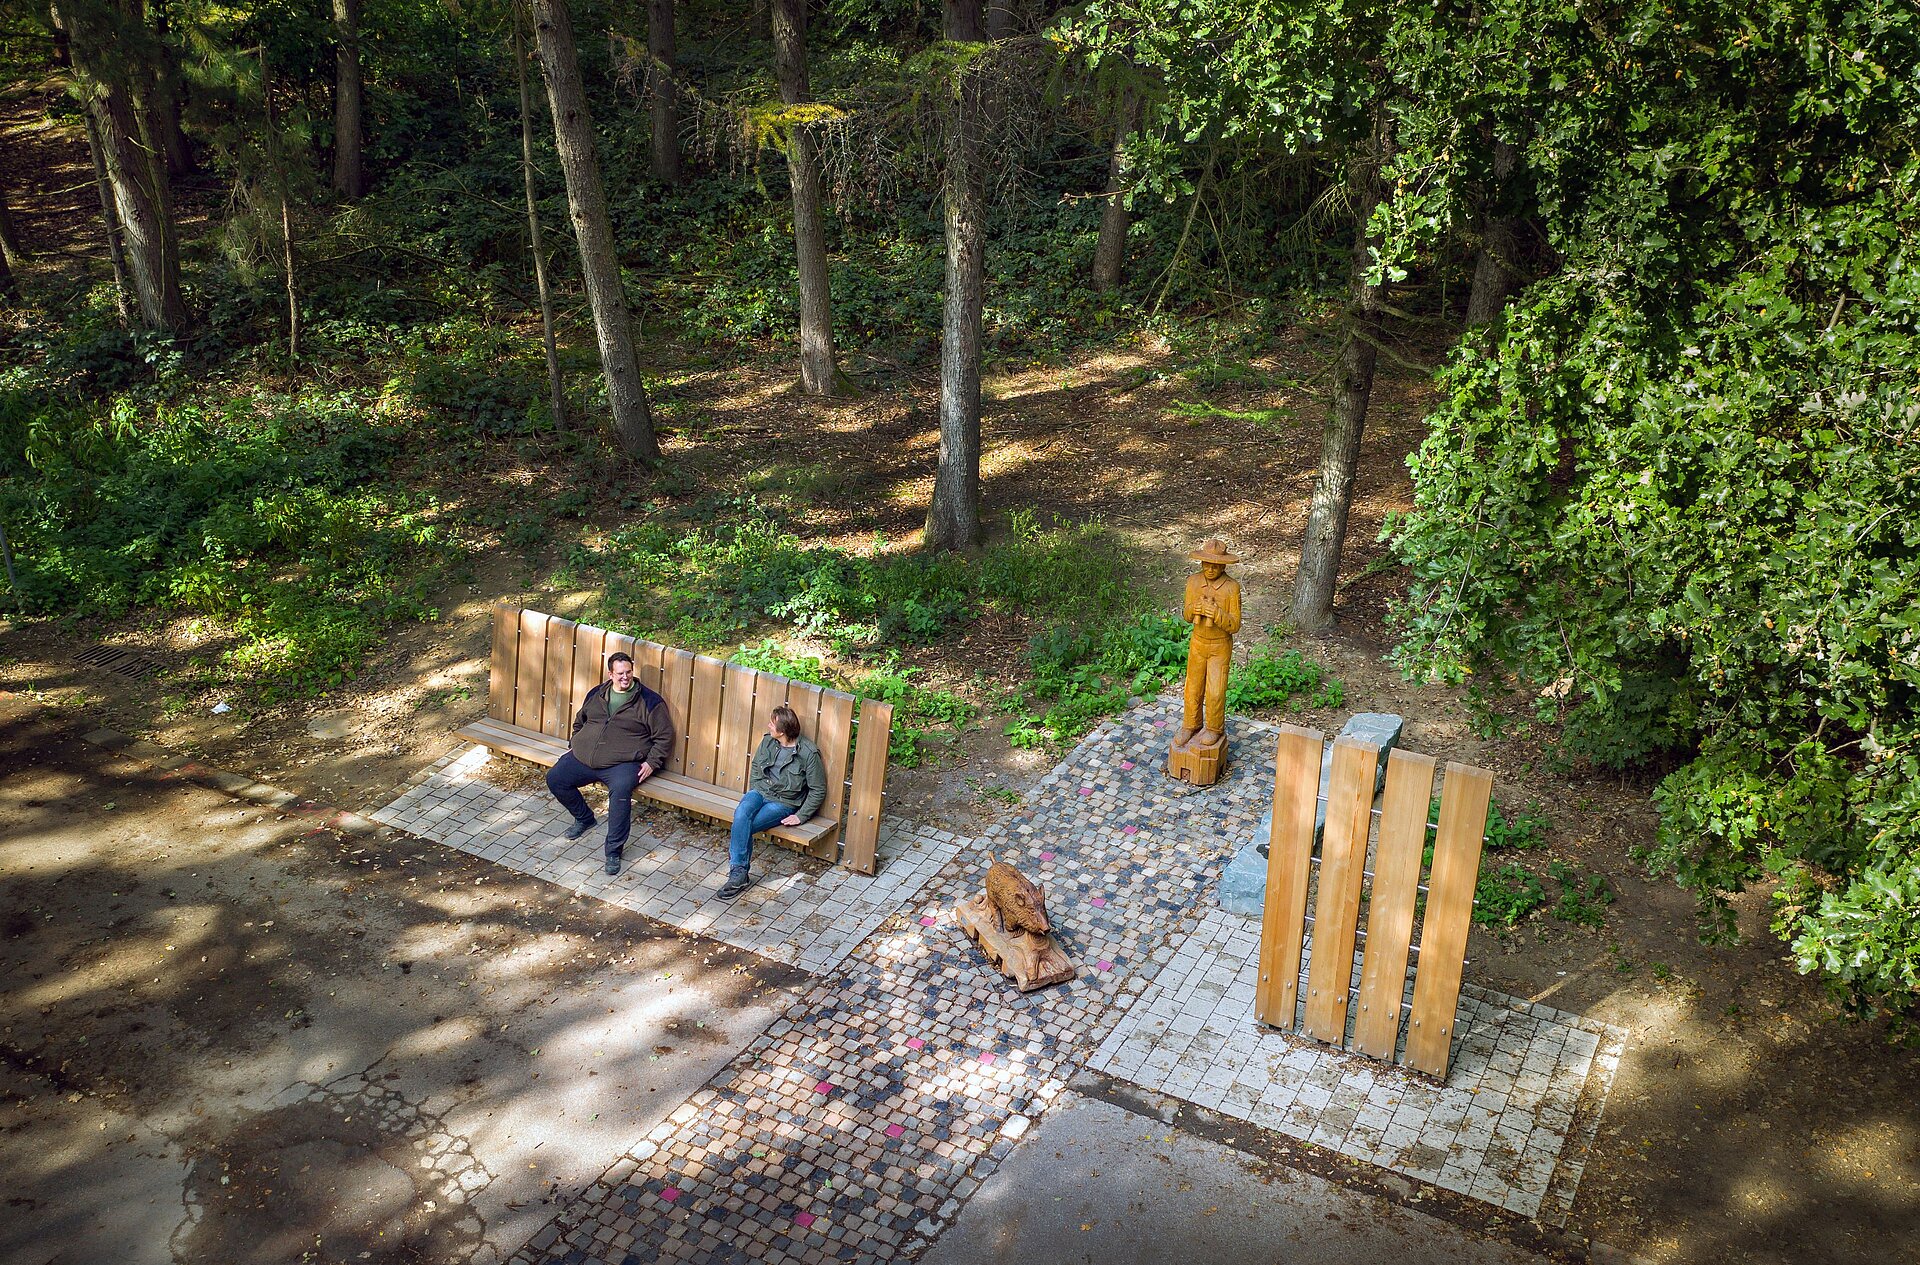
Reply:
x=119 y=662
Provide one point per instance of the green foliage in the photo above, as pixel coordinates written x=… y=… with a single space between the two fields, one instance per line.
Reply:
x=268 y=514
x=1281 y=680
x=1502 y=899
x=1582 y=900
x=1674 y=502
x=1082 y=673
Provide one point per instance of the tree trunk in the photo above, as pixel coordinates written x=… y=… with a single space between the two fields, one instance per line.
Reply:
x=137 y=181
x=277 y=174
x=760 y=20
x=819 y=373
x=1110 y=250
x=1313 y=586
x=953 y=519
x=9 y=286
x=122 y=288
x=10 y=252
x=587 y=203
x=555 y=387
x=349 y=181
x=1000 y=16
x=164 y=97
x=660 y=86
x=1495 y=276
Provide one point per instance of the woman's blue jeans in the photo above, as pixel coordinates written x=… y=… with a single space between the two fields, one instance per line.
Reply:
x=754 y=813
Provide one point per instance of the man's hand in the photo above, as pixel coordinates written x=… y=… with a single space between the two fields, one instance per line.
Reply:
x=646 y=771
x=791 y=819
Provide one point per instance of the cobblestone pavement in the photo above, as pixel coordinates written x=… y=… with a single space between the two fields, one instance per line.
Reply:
x=858 y=1123
x=1511 y=1126
x=798 y=911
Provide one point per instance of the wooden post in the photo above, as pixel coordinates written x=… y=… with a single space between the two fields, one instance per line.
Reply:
x=1443 y=935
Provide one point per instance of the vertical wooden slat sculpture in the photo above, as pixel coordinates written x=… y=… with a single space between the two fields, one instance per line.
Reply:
x=1392 y=898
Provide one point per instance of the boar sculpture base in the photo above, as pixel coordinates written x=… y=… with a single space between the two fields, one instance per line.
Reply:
x=1009 y=923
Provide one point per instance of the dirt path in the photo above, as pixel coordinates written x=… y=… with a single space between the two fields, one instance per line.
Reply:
x=227 y=1038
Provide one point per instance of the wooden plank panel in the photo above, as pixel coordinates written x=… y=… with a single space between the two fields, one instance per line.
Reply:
x=738 y=712
x=646 y=663
x=703 y=721
x=836 y=730
x=617 y=643
x=528 y=674
x=500 y=665
x=589 y=665
x=1336 y=911
x=862 y=831
x=1296 y=791
x=1396 y=880
x=556 y=688
x=1443 y=932
x=676 y=686
x=805 y=701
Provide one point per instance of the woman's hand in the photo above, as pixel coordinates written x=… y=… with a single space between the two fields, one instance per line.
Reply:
x=791 y=819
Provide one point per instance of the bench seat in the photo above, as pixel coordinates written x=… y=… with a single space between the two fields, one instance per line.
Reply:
x=673 y=789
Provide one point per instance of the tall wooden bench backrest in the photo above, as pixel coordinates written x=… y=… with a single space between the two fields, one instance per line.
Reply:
x=542 y=666
x=1371 y=1002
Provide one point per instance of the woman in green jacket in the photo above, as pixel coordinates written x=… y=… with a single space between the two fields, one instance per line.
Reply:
x=786 y=784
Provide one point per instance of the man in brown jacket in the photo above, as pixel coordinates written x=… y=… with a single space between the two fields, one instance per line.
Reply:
x=622 y=736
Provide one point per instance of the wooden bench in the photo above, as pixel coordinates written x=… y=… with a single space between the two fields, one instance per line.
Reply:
x=543 y=665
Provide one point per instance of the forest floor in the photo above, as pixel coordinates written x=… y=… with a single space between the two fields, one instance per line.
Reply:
x=1748 y=1122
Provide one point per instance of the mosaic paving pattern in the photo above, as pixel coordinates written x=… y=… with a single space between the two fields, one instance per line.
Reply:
x=1509 y=1127
x=856 y=1126
x=798 y=912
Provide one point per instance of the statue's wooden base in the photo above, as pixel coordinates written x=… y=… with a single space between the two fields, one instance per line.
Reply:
x=1196 y=764
x=1030 y=961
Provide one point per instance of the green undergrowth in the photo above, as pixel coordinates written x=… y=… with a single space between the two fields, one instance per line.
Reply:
x=275 y=519
x=708 y=584
x=1509 y=891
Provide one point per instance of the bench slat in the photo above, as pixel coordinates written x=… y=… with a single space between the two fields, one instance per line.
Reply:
x=589 y=665
x=676 y=686
x=737 y=713
x=538 y=748
x=703 y=723
x=835 y=733
x=862 y=833
x=646 y=664
x=556 y=717
x=531 y=653
x=500 y=665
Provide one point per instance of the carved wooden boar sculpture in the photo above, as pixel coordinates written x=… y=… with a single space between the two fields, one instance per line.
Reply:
x=1017 y=903
x=1009 y=922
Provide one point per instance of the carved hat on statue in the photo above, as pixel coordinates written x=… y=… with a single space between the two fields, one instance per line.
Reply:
x=1214 y=550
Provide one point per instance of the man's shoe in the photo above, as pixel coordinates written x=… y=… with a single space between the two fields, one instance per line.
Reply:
x=579 y=828
x=613 y=863
x=738 y=880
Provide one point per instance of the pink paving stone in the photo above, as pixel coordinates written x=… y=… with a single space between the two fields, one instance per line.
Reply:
x=1086 y=790
x=803 y=1219
x=1129 y=830
x=824 y=1087
x=914 y=1043
x=1099 y=902
x=894 y=1130
x=670 y=1194
x=1046 y=856
x=1104 y=965
x=987 y=1057
x=929 y=920
x=1126 y=764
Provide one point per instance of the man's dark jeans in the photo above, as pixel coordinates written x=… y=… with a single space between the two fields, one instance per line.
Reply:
x=566 y=778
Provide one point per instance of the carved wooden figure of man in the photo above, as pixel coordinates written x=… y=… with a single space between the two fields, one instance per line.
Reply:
x=1213 y=608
